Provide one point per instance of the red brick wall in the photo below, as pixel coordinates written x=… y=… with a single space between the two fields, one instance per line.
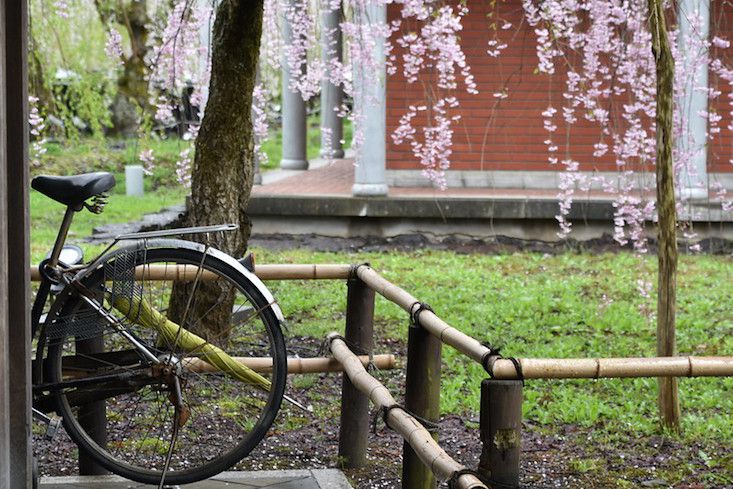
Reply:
x=721 y=147
x=508 y=134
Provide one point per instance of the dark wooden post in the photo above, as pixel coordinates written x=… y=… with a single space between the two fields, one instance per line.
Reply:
x=92 y=416
x=422 y=398
x=359 y=336
x=5 y=278
x=501 y=431
x=15 y=465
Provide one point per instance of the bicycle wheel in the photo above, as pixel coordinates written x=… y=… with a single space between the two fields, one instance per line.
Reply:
x=183 y=416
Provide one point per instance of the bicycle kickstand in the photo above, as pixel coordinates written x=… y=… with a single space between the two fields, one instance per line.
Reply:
x=52 y=424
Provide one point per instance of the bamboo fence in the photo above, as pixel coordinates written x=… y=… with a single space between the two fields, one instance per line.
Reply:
x=501 y=368
x=434 y=457
x=428 y=319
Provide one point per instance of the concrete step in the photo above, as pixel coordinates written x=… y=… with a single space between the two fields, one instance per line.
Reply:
x=272 y=479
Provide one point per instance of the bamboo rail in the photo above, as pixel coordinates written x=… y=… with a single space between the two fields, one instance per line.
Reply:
x=434 y=457
x=295 y=365
x=442 y=465
x=264 y=272
x=596 y=368
x=549 y=368
x=428 y=319
x=532 y=368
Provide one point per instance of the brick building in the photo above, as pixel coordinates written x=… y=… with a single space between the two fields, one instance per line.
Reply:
x=500 y=142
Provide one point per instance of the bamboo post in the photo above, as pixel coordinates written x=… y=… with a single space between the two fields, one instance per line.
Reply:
x=501 y=431
x=434 y=457
x=93 y=415
x=354 y=430
x=422 y=398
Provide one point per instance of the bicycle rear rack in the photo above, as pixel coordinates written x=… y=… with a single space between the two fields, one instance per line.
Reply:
x=176 y=232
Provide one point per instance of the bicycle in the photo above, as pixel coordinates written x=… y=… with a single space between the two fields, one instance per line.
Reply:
x=164 y=358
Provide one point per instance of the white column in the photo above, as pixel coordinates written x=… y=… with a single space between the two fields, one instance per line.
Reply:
x=205 y=39
x=331 y=95
x=370 y=174
x=257 y=178
x=693 y=184
x=293 y=117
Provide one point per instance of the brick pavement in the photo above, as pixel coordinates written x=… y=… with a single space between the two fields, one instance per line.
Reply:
x=337 y=178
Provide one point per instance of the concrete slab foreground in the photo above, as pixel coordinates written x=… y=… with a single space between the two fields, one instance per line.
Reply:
x=271 y=479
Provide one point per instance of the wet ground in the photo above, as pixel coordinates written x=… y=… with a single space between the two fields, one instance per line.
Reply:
x=552 y=456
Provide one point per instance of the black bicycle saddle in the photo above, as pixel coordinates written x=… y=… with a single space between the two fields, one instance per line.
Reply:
x=74 y=190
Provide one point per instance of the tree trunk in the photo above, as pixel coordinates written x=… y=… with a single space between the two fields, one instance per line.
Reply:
x=223 y=168
x=132 y=83
x=36 y=77
x=669 y=405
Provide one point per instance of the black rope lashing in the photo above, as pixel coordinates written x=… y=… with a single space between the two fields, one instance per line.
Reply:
x=518 y=367
x=453 y=481
x=416 y=309
x=488 y=359
x=494 y=354
x=351 y=345
x=384 y=411
x=326 y=343
x=330 y=339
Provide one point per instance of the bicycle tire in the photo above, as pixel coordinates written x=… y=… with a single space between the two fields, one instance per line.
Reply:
x=220 y=401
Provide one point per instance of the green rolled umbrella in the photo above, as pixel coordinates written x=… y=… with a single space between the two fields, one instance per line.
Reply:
x=139 y=311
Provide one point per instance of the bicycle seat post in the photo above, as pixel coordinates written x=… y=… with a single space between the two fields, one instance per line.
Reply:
x=61 y=238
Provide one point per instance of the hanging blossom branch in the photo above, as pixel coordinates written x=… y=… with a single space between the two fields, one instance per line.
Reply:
x=300 y=51
x=435 y=48
x=260 y=126
x=611 y=83
x=363 y=35
x=178 y=62
x=113 y=46
x=37 y=125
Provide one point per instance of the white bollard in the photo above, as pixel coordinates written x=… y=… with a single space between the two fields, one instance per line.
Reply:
x=134 y=180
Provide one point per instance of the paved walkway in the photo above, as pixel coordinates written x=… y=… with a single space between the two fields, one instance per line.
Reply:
x=271 y=479
x=335 y=179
